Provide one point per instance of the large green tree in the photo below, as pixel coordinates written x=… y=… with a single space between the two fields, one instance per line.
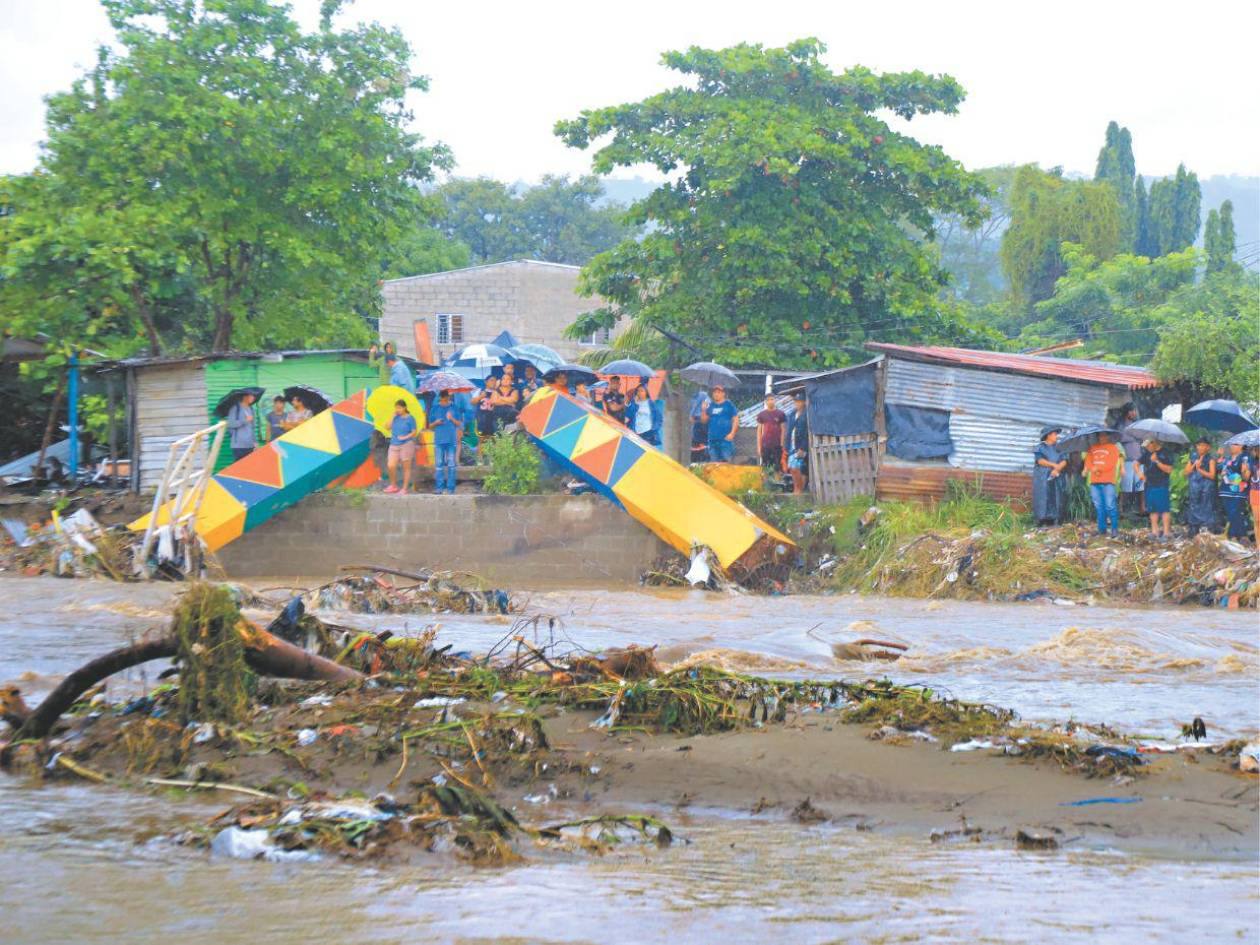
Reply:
x=556 y=221
x=971 y=254
x=1209 y=343
x=1116 y=167
x=1219 y=240
x=1048 y=211
x=1114 y=305
x=1174 y=212
x=219 y=178
x=787 y=228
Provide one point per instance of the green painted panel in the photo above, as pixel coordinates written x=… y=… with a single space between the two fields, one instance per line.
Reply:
x=335 y=374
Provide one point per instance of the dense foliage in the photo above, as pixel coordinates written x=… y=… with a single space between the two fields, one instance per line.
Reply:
x=218 y=179
x=559 y=220
x=786 y=230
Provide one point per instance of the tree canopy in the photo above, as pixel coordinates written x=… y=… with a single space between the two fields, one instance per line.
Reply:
x=787 y=228
x=1173 y=222
x=1116 y=167
x=558 y=220
x=1048 y=211
x=223 y=179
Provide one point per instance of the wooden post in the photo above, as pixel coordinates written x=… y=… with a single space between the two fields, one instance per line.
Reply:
x=111 y=397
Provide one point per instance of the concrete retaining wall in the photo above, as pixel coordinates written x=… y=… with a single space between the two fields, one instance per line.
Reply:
x=520 y=541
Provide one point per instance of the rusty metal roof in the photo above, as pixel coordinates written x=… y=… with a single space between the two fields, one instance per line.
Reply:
x=1068 y=369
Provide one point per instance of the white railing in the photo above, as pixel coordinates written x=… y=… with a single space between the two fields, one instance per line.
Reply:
x=182 y=487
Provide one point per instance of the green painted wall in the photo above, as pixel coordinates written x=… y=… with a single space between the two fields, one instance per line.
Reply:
x=338 y=375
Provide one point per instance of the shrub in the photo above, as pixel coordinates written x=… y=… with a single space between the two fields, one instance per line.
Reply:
x=515 y=465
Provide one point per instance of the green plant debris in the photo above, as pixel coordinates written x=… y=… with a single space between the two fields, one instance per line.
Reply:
x=211 y=656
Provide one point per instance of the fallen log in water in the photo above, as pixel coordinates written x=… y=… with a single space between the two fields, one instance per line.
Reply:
x=264 y=653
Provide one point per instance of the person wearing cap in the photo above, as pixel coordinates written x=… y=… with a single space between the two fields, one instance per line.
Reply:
x=723 y=421
x=798 y=443
x=1048 y=466
x=399 y=374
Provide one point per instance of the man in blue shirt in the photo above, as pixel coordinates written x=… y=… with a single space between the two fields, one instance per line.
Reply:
x=399 y=374
x=402 y=447
x=723 y=420
x=446 y=421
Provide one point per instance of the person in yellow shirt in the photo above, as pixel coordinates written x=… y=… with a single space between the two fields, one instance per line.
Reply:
x=1103 y=465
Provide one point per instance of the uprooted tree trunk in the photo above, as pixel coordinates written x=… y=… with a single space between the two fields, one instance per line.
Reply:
x=208 y=633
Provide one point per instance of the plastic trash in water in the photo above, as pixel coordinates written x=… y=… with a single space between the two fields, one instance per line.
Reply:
x=699 y=572
x=255 y=845
x=317 y=700
x=1090 y=801
x=307 y=736
x=434 y=702
x=972 y=744
x=205 y=732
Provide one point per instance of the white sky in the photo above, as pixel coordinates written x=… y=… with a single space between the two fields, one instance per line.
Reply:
x=1043 y=79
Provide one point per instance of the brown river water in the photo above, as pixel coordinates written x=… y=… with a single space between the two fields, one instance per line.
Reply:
x=77 y=864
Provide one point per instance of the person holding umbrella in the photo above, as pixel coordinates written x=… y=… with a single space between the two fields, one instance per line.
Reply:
x=1201 y=492
x=299 y=414
x=615 y=401
x=240 y=425
x=1154 y=466
x=1048 y=466
x=1103 y=466
x=723 y=420
x=1234 y=485
x=1131 y=443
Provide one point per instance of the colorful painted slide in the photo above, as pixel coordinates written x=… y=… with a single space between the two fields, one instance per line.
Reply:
x=681 y=509
x=273 y=477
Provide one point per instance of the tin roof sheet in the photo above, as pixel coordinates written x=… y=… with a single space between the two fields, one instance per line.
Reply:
x=1088 y=372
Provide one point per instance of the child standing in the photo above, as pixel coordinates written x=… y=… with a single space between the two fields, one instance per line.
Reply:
x=446 y=421
x=402 y=447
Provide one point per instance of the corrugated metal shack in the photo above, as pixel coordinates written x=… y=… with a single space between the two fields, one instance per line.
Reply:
x=169 y=398
x=937 y=414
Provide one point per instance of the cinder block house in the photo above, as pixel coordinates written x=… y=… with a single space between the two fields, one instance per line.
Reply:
x=535 y=301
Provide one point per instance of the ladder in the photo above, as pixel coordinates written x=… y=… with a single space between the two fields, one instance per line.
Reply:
x=183 y=485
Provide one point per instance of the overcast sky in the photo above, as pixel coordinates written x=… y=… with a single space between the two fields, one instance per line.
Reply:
x=1043 y=79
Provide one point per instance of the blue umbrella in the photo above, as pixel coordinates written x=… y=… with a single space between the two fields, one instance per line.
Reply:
x=480 y=356
x=1245 y=439
x=1220 y=415
x=1082 y=438
x=627 y=367
x=540 y=356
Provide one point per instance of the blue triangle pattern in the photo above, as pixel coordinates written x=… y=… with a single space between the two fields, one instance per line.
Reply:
x=245 y=492
x=297 y=461
x=350 y=430
x=564 y=440
x=628 y=454
x=563 y=413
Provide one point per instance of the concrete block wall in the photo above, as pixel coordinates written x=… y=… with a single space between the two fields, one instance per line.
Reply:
x=535 y=301
x=517 y=541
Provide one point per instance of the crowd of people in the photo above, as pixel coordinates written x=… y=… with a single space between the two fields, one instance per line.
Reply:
x=782 y=439
x=284 y=416
x=1133 y=472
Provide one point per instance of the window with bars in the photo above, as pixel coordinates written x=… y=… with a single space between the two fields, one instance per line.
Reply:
x=599 y=336
x=450 y=329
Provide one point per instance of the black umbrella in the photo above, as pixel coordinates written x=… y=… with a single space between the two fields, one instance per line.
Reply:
x=1220 y=415
x=229 y=400
x=314 y=399
x=1167 y=433
x=574 y=374
x=709 y=374
x=627 y=367
x=1245 y=439
x=1082 y=438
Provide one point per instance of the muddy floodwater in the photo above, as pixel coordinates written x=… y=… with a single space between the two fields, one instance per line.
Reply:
x=82 y=864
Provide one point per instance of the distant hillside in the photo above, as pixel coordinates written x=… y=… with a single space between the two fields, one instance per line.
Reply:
x=1245 y=193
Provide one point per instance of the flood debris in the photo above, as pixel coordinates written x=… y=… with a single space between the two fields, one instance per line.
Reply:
x=390 y=591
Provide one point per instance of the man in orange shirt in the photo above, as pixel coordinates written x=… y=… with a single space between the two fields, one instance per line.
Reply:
x=1103 y=464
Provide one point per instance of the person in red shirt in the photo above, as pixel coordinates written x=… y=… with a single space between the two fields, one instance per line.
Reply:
x=771 y=434
x=1103 y=465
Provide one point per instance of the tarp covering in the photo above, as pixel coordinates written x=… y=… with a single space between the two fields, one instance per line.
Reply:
x=843 y=403
x=917 y=432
